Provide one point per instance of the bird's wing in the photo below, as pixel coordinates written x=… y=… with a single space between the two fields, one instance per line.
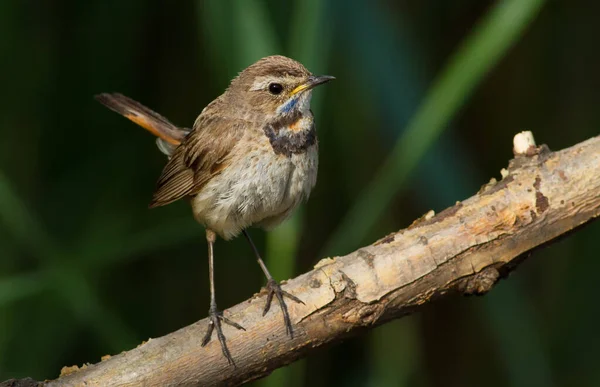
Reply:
x=204 y=153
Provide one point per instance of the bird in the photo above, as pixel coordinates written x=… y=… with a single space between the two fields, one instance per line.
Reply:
x=250 y=158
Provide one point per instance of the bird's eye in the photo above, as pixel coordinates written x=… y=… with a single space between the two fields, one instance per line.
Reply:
x=275 y=88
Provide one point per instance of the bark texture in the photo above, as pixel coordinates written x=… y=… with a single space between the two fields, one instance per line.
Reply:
x=465 y=249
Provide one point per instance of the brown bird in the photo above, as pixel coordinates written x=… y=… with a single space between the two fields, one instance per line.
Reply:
x=249 y=160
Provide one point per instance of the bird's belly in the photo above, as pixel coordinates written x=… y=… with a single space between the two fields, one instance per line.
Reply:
x=261 y=189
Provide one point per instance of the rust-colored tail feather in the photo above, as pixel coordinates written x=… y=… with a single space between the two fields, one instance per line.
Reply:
x=144 y=117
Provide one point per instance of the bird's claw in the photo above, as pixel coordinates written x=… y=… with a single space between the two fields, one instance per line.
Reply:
x=215 y=317
x=274 y=289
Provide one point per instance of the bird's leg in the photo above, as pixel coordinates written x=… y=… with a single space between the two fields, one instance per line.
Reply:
x=216 y=316
x=274 y=289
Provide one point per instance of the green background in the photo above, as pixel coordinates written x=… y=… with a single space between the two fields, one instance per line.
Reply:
x=428 y=97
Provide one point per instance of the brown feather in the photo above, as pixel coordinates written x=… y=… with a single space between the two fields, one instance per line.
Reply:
x=202 y=155
x=144 y=117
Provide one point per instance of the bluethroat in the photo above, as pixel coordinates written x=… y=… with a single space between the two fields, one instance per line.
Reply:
x=249 y=159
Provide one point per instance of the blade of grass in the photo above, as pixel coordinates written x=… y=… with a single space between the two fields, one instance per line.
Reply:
x=393 y=360
x=17 y=287
x=25 y=227
x=480 y=51
x=378 y=351
x=254 y=32
x=310 y=37
x=166 y=234
x=380 y=69
x=88 y=308
x=22 y=224
x=517 y=338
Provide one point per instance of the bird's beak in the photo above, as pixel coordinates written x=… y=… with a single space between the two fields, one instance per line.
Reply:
x=312 y=81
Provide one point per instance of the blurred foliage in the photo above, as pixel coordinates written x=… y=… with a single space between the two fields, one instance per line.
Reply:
x=427 y=98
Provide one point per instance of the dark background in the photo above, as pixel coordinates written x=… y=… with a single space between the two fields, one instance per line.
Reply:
x=428 y=97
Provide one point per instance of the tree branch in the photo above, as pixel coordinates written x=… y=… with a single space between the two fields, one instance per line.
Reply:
x=465 y=249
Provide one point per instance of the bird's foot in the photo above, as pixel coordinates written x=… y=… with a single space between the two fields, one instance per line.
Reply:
x=274 y=289
x=215 y=317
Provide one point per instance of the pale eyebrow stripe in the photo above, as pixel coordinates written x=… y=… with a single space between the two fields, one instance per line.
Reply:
x=261 y=83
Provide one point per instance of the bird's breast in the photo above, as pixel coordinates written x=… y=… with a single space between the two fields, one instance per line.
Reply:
x=261 y=186
x=291 y=136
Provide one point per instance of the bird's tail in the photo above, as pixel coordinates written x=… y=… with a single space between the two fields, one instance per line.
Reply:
x=169 y=135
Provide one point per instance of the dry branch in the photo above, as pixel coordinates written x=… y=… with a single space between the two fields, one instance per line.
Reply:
x=466 y=248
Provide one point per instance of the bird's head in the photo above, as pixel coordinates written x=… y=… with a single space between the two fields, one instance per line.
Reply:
x=274 y=87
